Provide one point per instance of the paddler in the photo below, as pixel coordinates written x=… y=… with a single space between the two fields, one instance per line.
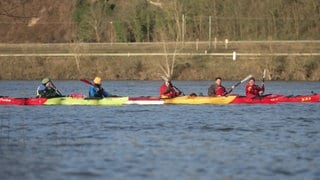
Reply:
x=167 y=89
x=96 y=90
x=217 y=89
x=47 y=89
x=253 y=90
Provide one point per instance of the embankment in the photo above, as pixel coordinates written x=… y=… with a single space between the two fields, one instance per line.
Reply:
x=147 y=61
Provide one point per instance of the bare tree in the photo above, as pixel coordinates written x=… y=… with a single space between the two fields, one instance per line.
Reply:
x=173 y=9
x=97 y=19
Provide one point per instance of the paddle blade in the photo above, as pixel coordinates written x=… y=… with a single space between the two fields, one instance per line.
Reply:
x=264 y=75
x=164 y=78
x=86 y=81
x=243 y=80
x=246 y=78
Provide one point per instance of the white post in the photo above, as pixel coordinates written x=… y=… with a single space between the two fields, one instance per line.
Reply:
x=111 y=32
x=234 y=56
x=226 y=41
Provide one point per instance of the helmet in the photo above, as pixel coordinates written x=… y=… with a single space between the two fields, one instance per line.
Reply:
x=45 y=80
x=97 y=80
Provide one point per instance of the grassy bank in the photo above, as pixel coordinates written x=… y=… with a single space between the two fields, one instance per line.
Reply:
x=148 y=68
x=64 y=61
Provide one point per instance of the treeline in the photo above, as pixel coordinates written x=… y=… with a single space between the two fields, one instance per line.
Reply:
x=189 y=20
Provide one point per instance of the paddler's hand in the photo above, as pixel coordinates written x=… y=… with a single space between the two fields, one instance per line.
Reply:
x=260 y=93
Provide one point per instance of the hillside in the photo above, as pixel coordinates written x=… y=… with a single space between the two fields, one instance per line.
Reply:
x=31 y=21
x=47 y=21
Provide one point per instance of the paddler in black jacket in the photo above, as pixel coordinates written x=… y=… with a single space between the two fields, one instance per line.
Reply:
x=47 y=89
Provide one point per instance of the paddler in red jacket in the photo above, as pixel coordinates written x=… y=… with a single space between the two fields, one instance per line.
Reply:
x=253 y=90
x=217 y=89
x=167 y=90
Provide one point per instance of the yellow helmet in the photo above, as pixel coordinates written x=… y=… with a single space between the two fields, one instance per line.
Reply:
x=97 y=80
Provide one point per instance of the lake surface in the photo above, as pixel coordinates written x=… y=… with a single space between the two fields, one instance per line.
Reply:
x=279 y=141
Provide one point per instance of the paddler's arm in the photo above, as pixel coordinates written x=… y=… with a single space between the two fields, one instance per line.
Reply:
x=229 y=90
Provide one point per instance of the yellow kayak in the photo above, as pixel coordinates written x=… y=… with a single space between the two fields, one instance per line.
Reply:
x=200 y=100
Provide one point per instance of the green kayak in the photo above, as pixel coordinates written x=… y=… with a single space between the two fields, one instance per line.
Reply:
x=110 y=101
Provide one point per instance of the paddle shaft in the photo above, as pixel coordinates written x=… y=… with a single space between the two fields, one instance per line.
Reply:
x=264 y=75
x=243 y=80
x=87 y=82
x=56 y=88
x=238 y=83
x=178 y=89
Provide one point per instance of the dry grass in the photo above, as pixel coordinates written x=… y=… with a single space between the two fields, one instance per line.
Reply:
x=148 y=67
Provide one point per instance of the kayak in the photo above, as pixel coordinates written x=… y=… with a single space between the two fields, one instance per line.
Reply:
x=311 y=98
x=143 y=100
x=149 y=100
x=200 y=100
x=77 y=101
x=5 y=100
x=267 y=99
x=277 y=98
x=110 y=101
x=43 y=101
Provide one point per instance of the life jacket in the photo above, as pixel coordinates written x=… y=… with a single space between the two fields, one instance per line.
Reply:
x=253 y=90
x=220 y=90
x=47 y=92
x=168 y=92
x=39 y=89
x=216 y=90
x=95 y=91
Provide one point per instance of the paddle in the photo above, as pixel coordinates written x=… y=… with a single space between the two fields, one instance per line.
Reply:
x=59 y=93
x=264 y=75
x=87 y=82
x=92 y=84
x=238 y=83
x=166 y=79
x=178 y=89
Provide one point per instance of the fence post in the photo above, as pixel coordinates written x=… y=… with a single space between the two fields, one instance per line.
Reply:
x=226 y=41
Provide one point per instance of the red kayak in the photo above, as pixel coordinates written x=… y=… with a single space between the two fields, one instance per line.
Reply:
x=266 y=99
x=5 y=100
x=277 y=98
x=35 y=101
x=311 y=98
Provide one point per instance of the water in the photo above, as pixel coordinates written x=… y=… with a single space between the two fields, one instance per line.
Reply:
x=161 y=141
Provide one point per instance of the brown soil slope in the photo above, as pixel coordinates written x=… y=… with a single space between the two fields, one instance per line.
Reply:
x=26 y=21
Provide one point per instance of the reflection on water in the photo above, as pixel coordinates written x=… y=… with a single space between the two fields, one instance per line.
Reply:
x=160 y=142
